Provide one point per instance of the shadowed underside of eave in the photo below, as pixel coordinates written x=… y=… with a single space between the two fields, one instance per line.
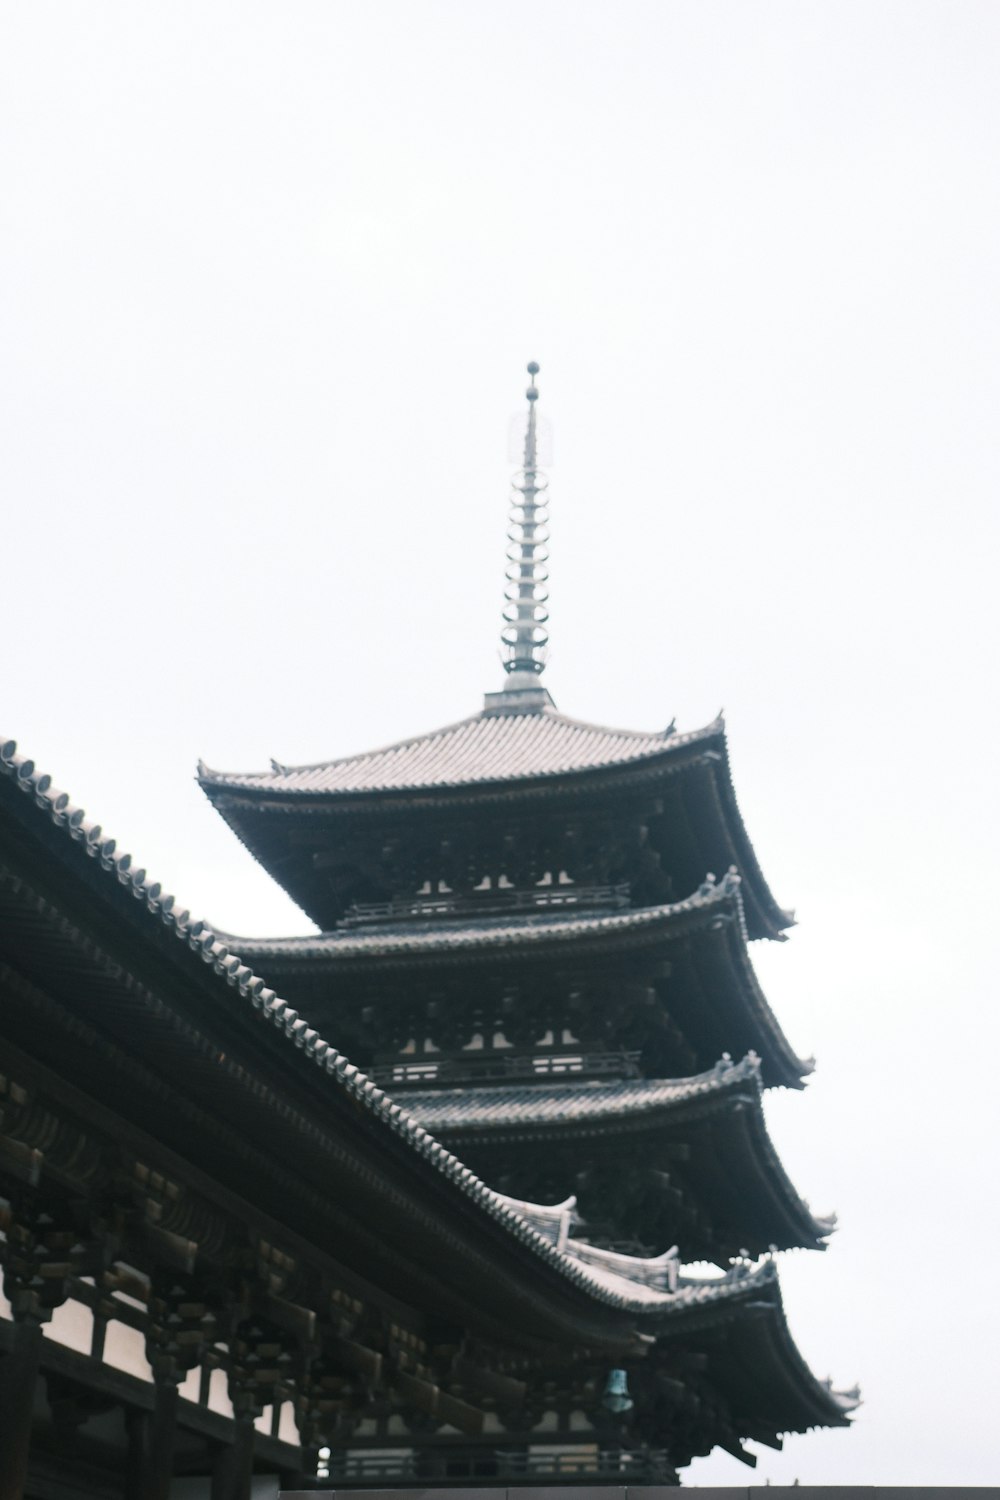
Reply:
x=333 y=973
x=496 y=776
x=733 y=1175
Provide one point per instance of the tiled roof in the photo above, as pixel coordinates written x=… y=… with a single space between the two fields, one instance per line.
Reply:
x=484 y=748
x=91 y=841
x=458 y=1113
x=462 y=1109
x=489 y=932
x=496 y=938
x=742 y=1283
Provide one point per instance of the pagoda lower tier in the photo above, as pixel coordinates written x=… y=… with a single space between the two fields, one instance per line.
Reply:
x=718 y=1363
x=661 y=992
x=652 y=1163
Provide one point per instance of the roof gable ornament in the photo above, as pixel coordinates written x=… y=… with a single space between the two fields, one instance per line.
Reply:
x=525 y=635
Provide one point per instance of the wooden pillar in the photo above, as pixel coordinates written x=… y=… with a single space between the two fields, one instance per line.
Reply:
x=157 y=1460
x=137 y=1425
x=233 y=1472
x=37 y=1266
x=175 y=1342
x=151 y=1436
x=18 y=1376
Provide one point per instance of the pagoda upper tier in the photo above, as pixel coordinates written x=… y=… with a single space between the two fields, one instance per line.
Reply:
x=662 y=991
x=516 y=807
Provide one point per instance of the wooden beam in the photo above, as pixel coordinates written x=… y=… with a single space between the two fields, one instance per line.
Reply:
x=735 y=1447
x=433 y=1401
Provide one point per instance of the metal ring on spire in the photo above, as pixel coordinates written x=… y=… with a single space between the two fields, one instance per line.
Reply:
x=525 y=637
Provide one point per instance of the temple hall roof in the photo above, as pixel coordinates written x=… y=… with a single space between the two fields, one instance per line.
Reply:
x=489 y=746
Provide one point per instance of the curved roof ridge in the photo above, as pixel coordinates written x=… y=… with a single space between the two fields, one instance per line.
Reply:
x=642 y=1295
x=487 y=1110
x=536 y=1103
x=663 y=735
x=490 y=931
x=200 y=938
x=280 y=768
x=485 y=746
x=404 y=744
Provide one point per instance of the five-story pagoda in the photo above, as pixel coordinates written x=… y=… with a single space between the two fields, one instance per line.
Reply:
x=524 y=940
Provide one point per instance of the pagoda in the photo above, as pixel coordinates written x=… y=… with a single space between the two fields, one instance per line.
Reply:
x=534 y=935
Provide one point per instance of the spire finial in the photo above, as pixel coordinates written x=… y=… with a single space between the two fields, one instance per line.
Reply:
x=525 y=637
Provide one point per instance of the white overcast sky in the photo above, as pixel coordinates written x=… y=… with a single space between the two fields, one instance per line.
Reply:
x=270 y=276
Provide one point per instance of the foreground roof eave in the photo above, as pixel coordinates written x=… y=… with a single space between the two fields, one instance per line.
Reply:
x=91 y=842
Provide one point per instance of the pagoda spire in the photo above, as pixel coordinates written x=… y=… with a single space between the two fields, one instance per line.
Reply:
x=525 y=635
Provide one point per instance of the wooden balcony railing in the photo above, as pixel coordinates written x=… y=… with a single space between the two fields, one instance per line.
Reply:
x=492 y=903
x=499 y=1067
x=454 y=1467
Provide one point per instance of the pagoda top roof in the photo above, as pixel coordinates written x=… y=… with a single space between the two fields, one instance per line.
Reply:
x=494 y=745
